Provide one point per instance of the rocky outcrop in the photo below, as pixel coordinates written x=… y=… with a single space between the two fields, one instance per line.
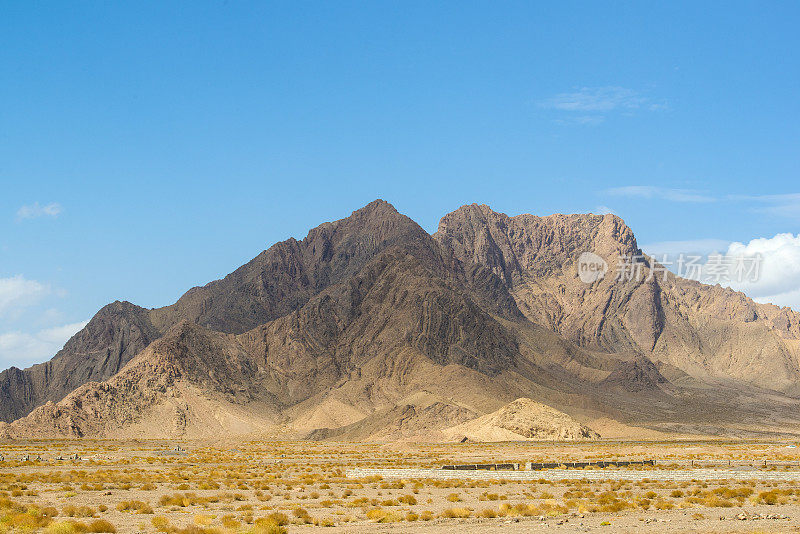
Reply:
x=284 y=277
x=711 y=333
x=110 y=340
x=521 y=420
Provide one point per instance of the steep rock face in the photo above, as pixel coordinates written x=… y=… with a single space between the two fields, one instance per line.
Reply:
x=187 y=355
x=518 y=247
x=284 y=277
x=708 y=332
x=396 y=302
x=402 y=302
x=110 y=340
x=272 y=285
x=369 y=318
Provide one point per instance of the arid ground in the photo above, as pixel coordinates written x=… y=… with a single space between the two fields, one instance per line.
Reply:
x=267 y=486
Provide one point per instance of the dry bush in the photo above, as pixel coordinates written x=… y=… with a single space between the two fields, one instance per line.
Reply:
x=66 y=527
x=78 y=511
x=302 y=515
x=383 y=516
x=407 y=499
x=135 y=506
x=229 y=522
x=278 y=518
x=161 y=524
x=266 y=526
x=101 y=525
x=456 y=513
x=772 y=497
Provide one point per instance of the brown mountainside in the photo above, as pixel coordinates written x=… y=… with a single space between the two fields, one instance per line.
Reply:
x=370 y=328
x=276 y=282
x=710 y=333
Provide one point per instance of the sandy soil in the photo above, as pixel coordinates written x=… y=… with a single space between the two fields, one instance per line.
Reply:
x=229 y=486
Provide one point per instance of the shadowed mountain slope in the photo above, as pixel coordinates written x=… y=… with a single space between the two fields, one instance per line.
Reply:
x=708 y=332
x=114 y=335
x=276 y=282
x=370 y=328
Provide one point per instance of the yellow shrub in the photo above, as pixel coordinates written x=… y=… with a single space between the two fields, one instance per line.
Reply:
x=161 y=523
x=101 y=525
x=456 y=513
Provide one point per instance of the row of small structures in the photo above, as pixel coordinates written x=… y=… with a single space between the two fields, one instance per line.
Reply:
x=29 y=458
x=60 y=457
x=534 y=466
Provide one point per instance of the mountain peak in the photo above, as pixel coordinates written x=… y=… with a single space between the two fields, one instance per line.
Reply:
x=514 y=246
x=369 y=317
x=378 y=205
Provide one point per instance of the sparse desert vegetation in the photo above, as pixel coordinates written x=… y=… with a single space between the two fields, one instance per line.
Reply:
x=273 y=487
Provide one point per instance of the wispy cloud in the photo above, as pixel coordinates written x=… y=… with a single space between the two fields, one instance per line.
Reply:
x=595 y=99
x=590 y=120
x=591 y=105
x=18 y=292
x=783 y=205
x=664 y=193
x=36 y=210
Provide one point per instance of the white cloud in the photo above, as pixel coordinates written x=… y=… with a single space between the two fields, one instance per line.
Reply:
x=664 y=193
x=765 y=269
x=595 y=99
x=779 y=270
x=36 y=210
x=22 y=349
x=18 y=292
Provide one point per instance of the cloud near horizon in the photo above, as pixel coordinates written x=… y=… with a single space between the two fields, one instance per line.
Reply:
x=775 y=278
x=778 y=281
x=22 y=349
x=18 y=292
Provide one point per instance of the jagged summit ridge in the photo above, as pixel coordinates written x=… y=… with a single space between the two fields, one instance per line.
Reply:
x=370 y=321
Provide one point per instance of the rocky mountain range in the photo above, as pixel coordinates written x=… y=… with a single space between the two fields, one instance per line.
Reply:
x=370 y=328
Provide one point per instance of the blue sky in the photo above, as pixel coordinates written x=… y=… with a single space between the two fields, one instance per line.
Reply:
x=149 y=147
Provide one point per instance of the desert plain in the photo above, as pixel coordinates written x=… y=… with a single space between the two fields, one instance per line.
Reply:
x=71 y=486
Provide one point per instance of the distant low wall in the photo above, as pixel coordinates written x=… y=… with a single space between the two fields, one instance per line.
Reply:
x=572 y=474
